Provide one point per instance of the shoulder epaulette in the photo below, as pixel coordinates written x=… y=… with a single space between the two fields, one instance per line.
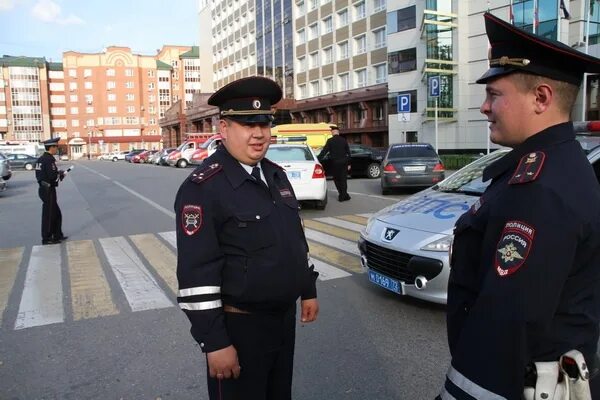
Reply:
x=529 y=168
x=204 y=172
x=272 y=163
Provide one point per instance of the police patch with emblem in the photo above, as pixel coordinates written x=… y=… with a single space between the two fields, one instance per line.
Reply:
x=285 y=192
x=191 y=219
x=513 y=247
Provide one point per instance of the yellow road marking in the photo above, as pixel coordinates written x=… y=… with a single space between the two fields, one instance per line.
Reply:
x=9 y=263
x=332 y=230
x=354 y=218
x=90 y=293
x=159 y=256
x=334 y=257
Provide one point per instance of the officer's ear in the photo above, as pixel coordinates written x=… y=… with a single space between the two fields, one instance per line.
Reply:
x=544 y=97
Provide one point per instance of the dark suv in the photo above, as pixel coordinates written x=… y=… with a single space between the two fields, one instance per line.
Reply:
x=364 y=161
x=411 y=164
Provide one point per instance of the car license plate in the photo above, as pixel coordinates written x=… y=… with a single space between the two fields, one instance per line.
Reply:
x=293 y=174
x=415 y=168
x=385 y=282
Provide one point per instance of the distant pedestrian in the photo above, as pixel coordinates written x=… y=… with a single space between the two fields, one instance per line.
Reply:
x=338 y=151
x=48 y=176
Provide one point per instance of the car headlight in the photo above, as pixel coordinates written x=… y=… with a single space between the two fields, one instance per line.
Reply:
x=370 y=223
x=442 y=244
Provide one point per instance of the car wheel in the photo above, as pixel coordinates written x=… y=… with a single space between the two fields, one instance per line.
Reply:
x=374 y=171
x=115 y=159
x=28 y=167
x=321 y=204
x=182 y=163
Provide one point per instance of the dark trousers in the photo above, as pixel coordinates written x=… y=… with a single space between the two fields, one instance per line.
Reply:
x=51 y=215
x=340 y=178
x=265 y=348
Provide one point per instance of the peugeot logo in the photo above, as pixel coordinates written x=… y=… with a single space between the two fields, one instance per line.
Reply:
x=390 y=234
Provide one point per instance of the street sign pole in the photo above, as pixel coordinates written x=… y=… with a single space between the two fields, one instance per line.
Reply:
x=436 y=125
x=434 y=91
x=403 y=103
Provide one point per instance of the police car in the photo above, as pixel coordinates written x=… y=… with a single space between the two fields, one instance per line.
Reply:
x=404 y=247
x=304 y=171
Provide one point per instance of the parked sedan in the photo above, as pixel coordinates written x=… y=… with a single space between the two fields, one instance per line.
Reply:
x=364 y=161
x=303 y=170
x=22 y=161
x=132 y=153
x=162 y=160
x=410 y=165
x=142 y=157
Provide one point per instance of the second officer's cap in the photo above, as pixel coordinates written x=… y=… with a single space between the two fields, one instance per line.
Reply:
x=51 y=142
x=247 y=100
x=516 y=50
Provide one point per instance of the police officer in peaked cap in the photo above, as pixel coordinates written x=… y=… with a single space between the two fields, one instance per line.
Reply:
x=525 y=263
x=48 y=176
x=242 y=258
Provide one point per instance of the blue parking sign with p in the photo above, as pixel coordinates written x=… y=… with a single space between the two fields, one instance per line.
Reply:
x=434 y=86
x=404 y=103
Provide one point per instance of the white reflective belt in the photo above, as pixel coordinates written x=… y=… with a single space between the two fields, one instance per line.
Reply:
x=447 y=396
x=470 y=387
x=194 y=291
x=202 y=305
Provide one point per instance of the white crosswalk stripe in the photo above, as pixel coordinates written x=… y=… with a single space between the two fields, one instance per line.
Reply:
x=147 y=282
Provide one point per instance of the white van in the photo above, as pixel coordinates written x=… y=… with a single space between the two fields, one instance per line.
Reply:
x=30 y=148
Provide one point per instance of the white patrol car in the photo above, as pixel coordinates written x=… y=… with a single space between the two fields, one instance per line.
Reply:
x=404 y=247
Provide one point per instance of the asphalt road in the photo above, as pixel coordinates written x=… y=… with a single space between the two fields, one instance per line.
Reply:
x=95 y=317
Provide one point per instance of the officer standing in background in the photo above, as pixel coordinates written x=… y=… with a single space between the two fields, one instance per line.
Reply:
x=47 y=176
x=241 y=253
x=339 y=155
x=525 y=262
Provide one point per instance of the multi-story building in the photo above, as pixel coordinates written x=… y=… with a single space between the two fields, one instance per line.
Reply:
x=24 y=100
x=446 y=39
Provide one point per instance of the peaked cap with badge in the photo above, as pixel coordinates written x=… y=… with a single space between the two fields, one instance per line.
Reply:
x=51 y=142
x=516 y=50
x=247 y=100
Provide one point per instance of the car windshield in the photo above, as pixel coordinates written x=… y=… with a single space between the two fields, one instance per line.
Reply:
x=588 y=143
x=412 y=151
x=280 y=154
x=468 y=180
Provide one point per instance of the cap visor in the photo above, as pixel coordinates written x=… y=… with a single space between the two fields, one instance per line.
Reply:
x=494 y=73
x=251 y=119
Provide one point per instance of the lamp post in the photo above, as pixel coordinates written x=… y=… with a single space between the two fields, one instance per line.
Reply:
x=89 y=145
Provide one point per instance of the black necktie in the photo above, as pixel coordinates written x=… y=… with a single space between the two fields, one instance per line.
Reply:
x=256 y=175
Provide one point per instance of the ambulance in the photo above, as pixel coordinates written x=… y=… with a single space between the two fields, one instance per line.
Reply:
x=315 y=135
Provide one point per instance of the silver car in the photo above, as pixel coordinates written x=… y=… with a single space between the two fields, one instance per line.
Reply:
x=404 y=247
x=5 y=171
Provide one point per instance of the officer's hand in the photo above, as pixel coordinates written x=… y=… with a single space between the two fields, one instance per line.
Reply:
x=61 y=175
x=223 y=363
x=310 y=309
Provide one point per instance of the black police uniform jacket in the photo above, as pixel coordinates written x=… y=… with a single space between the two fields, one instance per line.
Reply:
x=46 y=170
x=525 y=267
x=238 y=243
x=337 y=148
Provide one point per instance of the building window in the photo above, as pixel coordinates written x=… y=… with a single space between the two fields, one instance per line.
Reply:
x=150 y=73
x=402 y=20
x=313 y=31
x=328 y=83
x=343 y=52
x=112 y=97
x=130 y=109
x=110 y=72
x=342 y=17
x=328 y=24
x=72 y=86
x=73 y=73
x=74 y=123
x=314 y=88
x=89 y=110
x=402 y=61
x=112 y=110
x=314 y=59
x=360 y=44
x=302 y=64
x=344 y=81
x=111 y=85
x=130 y=96
x=128 y=72
x=379 y=38
x=380 y=73
x=89 y=99
x=129 y=85
x=301 y=36
x=328 y=55
x=359 y=10
x=378 y=5
x=87 y=85
x=74 y=110
x=151 y=86
x=300 y=7
x=378 y=112
x=87 y=73
x=361 y=77
x=313 y=4
x=73 y=98
x=302 y=91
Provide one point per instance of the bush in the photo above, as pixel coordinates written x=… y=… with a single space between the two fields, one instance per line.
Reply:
x=457 y=161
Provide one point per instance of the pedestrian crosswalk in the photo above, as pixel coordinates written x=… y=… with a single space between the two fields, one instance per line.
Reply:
x=86 y=279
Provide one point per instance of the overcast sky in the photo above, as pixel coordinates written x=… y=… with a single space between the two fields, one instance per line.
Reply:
x=47 y=28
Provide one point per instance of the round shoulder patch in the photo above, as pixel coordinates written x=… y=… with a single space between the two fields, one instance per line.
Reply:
x=191 y=219
x=513 y=247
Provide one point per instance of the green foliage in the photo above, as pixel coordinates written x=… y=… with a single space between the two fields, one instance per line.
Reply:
x=457 y=161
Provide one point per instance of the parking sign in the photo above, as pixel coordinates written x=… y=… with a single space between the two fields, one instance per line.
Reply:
x=404 y=103
x=434 y=86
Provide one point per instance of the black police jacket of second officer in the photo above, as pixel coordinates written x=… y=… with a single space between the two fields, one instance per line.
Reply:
x=239 y=244
x=46 y=170
x=525 y=267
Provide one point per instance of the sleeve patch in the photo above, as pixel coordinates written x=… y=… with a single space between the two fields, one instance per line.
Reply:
x=191 y=219
x=203 y=173
x=529 y=168
x=513 y=247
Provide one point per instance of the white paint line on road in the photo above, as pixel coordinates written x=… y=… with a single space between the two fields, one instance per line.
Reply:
x=133 y=192
x=332 y=241
x=375 y=196
x=41 y=303
x=367 y=215
x=140 y=288
x=170 y=238
x=328 y=271
x=341 y=223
